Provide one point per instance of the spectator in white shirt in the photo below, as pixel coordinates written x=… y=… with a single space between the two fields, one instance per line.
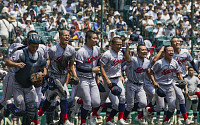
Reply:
x=186 y=23
x=29 y=26
x=47 y=7
x=23 y=7
x=147 y=21
x=170 y=31
x=165 y=15
x=158 y=31
x=60 y=7
x=150 y=12
x=177 y=16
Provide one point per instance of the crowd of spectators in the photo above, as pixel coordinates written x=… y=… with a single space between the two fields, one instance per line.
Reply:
x=156 y=21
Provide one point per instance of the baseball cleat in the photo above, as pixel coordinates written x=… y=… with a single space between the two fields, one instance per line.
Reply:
x=92 y=120
x=99 y=120
x=165 y=123
x=187 y=122
x=75 y=108
x=108 y=123
x=121 y=122
x=147 y=114
x=140 y=121
x=67 y=122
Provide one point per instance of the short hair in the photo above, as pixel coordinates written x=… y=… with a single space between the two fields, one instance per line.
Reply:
x=173 y=38
x=190 y=67
x=167 y=47
x=115 y=39
x=61 y=32
x=138 y=47
x=89 y=34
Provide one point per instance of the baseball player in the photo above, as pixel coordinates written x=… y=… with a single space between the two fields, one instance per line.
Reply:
x=136 y=73
x=56 y=53
x=86 y=65
x=162 y=76
x=192 y=99
x=182 y=56
x=26 y=62
x=111 y=72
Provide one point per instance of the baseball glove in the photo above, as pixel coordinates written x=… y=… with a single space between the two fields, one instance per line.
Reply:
x=37 y=79
x=63 y=62
x=115 y=89
x=160 y=92
x=181 y=84
x=101 y=87
x=73 y=80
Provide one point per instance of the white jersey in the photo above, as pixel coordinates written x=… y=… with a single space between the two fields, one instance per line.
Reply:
x=136 y=69
x=88 y=58
x=192 y=82
x=112 y=62
x=182 y=59
x=164 y=71
x=43 y=50
x=55 y=54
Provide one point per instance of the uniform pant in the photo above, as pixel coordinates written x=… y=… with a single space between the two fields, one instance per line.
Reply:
x=114 y=99
x=7 y=88
x=180 y=99
x=23 y=96
x=170 y=97
x=89 y=92
x=135 y=91
x=150 y=91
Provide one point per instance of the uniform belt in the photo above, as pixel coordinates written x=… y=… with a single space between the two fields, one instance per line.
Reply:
x=114 y=77
x=138 y=84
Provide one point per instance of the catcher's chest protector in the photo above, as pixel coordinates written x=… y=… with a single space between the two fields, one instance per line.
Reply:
x=32 y=66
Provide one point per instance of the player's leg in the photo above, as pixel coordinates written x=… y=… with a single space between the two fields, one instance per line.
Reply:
x=84 y=91
x=170 y=98
x=130 y=95
x=31 y=105
x=181 y=100
x=122 y=100
x=95 y=100
x=7 y=89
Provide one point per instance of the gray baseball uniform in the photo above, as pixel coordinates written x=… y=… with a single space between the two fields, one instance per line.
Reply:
x=112 y=66
x=55 y=54
x=163 y=74
x=192 y=83
x=87 y=87
x=182 y=59
x=136 y=73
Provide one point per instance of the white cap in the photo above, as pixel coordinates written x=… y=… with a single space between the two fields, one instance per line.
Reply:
x=116 y=13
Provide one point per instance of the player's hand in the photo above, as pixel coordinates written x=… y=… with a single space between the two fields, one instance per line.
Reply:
x=122 y=79
x=100 y=79
x=109 y=83
x=199 y=76
x=128 y=43
x=21 y=65
x=96 y=69
x=155 y=85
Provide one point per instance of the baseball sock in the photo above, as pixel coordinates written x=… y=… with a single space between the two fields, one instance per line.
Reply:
x=183 y=111
x=35 y=120
x=44 y=107
x=136 y=106
x=126 y=113
x=198 y=94
x=84 y=114
x=95 y=110
x=121 y=108
x=168 y=116
x=178 y=114
x=107 y=105
x=112 y=114
x=80 y=101
x=63 y=107
x=195 y=115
